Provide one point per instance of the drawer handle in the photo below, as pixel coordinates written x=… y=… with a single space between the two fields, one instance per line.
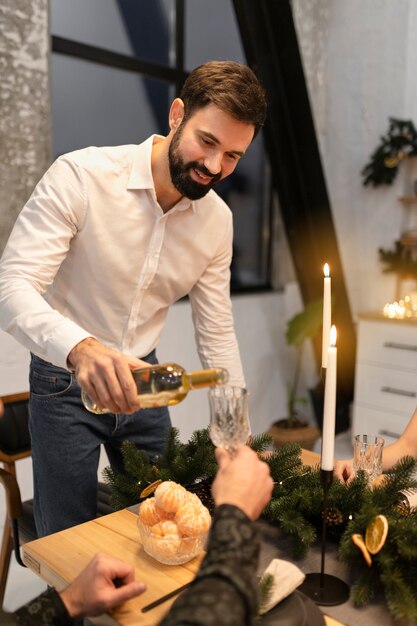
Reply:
x=399 y=392
x=399 y=346
x=388 y=433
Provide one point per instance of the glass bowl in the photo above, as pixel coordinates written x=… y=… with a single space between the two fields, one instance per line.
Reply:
x=170 y=549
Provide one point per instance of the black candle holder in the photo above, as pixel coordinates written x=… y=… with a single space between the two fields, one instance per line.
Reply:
x=322 y=588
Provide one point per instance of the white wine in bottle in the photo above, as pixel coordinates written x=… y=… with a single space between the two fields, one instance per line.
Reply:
x=166 y=384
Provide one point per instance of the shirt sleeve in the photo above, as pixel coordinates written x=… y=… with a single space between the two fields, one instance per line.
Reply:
x=225 y=591
x=45 y=610
x=36 y=248
x=213 y=315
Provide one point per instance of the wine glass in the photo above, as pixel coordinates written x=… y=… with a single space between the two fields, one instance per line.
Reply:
x=229 y=422
x=367 y=455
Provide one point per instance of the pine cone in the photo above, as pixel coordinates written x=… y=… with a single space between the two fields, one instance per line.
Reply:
x=202 y=489
x=403 y=507
x=334 y=517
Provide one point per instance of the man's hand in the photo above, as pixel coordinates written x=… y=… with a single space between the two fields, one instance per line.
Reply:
x=94 y=591
x=344 y=470
x=242 y=480
x=105 y=375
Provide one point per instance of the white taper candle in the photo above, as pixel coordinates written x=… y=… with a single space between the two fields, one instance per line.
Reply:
x=327 y=314
x=329 y=411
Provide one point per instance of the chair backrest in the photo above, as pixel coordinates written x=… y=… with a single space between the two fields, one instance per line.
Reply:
x=14 y=429
x=14 y=445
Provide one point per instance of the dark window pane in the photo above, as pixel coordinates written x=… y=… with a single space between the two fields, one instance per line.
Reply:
x=212 y=34
x=96 y=105
x=140 y=28
x=246 y=192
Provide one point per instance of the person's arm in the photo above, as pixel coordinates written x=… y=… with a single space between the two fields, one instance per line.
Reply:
x=92 y=593
x=212 y=310
x=37 y=247
x=225 y=590
x=406 y=445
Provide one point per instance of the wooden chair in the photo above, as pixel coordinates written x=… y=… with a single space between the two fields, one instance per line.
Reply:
x=15 y=444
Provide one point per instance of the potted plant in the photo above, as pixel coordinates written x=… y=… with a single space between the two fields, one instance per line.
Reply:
x=294 y=427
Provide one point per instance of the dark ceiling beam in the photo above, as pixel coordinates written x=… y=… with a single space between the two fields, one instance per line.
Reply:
x=270 y=42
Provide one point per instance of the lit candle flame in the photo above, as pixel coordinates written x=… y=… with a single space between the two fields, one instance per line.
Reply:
x=326 y=269
x=333 y=334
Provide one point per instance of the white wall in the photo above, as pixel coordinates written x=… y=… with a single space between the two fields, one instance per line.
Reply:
x=260 y=322
x=360 y=62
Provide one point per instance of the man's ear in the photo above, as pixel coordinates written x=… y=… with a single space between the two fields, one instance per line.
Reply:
x=176 y=113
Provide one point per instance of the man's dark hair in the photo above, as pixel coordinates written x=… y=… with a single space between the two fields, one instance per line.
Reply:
x=231 y=86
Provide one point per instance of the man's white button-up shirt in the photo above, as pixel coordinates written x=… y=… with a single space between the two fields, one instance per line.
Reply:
x=93 y=254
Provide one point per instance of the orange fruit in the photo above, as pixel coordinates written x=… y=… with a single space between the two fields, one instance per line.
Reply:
x=149 y=513
x=170 y=496
x=193 y=520
x=376 y=534
x=358 y=541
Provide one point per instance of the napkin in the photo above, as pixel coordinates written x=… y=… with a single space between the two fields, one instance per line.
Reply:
x=287 y=577
x=411 y=497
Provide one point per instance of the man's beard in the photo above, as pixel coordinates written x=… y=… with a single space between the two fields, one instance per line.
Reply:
x=180 y=176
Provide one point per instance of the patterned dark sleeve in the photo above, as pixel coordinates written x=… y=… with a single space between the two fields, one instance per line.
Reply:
x=45 y=610
x=224 y=592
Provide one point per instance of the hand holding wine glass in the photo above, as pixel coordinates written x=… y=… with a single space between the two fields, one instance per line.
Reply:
x=367 y=455
x=229 y=422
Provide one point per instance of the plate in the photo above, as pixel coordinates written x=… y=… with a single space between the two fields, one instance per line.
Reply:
x=295 y=610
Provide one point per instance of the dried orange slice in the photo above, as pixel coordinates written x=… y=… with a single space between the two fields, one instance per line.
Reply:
x=358 y=541
x=150 y=488
x=376 y=534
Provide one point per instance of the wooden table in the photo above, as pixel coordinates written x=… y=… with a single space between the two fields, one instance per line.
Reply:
x=60 y=557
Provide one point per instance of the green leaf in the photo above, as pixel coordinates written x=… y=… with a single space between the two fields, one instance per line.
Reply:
x=305 y=325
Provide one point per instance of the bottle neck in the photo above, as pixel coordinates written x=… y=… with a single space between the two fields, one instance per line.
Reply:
x=207 y=378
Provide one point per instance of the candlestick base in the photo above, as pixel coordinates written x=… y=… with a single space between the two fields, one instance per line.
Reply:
x=325 y=589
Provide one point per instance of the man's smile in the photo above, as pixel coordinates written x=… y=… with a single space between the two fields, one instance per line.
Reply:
x=203 y=178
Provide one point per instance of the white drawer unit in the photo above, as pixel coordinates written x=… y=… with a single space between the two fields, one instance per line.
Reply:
x=389 y=425
x=385 y=375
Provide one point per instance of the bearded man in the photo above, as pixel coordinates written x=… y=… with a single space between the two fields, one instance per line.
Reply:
x=109 y=239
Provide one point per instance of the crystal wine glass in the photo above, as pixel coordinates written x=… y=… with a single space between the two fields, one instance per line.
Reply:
x=367 y=455
x=229 y=422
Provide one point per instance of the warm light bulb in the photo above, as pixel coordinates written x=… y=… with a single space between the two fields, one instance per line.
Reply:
x=333 y=334
x=326 y=270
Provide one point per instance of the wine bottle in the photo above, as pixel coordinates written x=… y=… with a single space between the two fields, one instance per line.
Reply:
x=166 y=384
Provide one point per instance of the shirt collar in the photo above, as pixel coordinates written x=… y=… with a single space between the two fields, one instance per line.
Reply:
x=141 y=172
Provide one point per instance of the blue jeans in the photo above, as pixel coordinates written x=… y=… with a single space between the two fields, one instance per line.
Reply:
x=66 y=441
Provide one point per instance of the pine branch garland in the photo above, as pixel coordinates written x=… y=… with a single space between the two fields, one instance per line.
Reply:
x=266 y=586
x=399 y=143
x=260 y=443
x=363 y=589
x=399 y=260
x=296 y=507
x=400 y=595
